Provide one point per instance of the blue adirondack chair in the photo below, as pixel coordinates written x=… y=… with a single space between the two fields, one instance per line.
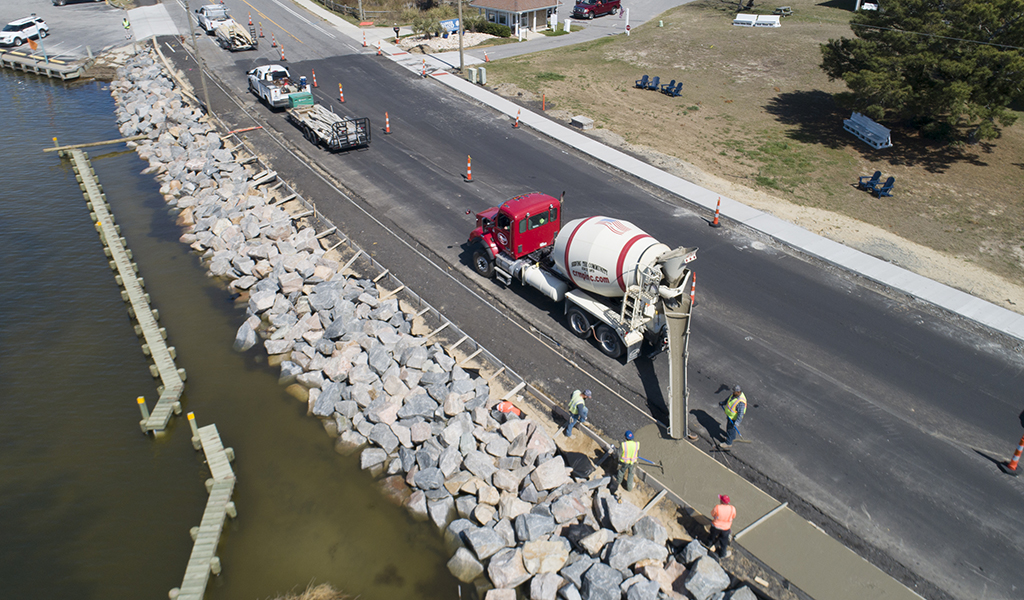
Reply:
x=666 y=88
x=676 y=90
x=642 y=82
x=886 y=189
x=653 y=85
x=869 y=182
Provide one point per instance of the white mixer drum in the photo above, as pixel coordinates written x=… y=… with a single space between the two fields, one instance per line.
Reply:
x=601 y=254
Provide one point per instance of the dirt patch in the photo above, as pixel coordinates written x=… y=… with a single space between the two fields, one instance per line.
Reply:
x=756 y=121
x=424 y=45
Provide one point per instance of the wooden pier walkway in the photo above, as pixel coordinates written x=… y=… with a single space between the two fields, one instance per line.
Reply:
x=155 y=345
x=203 y=560
x=219 y=506
x=56 y=68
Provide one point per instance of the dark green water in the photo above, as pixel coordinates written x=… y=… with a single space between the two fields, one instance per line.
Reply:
x=91 y=508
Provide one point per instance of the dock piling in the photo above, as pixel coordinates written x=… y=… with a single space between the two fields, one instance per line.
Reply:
x=145 y=413
x=195 y=430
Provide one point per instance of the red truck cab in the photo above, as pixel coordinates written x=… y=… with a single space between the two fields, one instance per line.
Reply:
x=519 y=226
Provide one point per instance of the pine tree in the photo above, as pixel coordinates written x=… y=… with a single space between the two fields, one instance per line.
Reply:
x=950 y=67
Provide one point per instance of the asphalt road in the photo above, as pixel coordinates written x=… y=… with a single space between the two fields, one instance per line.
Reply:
x=877 y=418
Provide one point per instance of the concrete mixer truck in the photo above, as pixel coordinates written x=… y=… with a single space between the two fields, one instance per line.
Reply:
x=618 y=284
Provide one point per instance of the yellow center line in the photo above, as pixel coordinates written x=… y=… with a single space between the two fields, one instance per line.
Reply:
x=260 y=13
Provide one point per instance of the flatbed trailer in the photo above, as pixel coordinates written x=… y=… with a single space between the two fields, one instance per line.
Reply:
x=330 y=130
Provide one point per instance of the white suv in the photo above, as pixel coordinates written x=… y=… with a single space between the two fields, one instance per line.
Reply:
x=16 y=32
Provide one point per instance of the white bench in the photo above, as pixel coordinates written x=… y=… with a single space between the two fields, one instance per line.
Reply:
x=743 y=20
x=868 y=131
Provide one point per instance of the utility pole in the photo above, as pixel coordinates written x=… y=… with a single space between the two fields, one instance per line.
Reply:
x=462 y=59
x=199 y=60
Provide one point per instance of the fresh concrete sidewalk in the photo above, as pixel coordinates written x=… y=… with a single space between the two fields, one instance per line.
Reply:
x=805 y=555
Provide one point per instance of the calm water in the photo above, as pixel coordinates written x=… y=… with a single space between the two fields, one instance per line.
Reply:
x=91 y=508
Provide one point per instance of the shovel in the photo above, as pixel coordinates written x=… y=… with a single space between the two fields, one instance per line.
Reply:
x=652 y=463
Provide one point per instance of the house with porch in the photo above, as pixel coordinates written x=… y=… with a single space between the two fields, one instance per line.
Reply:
x=535 y=15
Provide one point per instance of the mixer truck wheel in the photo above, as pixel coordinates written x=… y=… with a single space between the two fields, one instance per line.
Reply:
x=609 y=341
x=578 y=322
x=483 y=263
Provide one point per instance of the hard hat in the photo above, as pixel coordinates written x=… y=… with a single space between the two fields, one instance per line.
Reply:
x=629 y=435
x=586 y=393
x=723 y=498
x=737 y=389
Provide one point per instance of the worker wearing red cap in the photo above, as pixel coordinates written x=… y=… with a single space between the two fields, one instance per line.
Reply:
x=721 y=526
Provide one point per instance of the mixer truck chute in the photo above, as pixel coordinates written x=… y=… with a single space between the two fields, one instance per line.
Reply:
x=615 y=279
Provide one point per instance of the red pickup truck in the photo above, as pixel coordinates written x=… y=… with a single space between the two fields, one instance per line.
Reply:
x=588 y=9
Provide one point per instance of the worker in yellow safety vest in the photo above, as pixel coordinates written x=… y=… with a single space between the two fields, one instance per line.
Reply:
x=127 y=28
x=577 y=410
x=735 y=406
x=629 y=453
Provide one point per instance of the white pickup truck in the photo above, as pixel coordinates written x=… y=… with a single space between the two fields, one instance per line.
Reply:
x=273 y=84
x=211 y=16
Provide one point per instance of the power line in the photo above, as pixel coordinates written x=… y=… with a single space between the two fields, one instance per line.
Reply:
x=944 y=37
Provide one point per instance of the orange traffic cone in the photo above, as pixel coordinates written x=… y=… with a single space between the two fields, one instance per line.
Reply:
x=387 y=123
x=469 y=169
x=273 y=40
x=314 y=78
x=516 y=124
x=378 y=47
x=693 y=289
x=261 y=28
x=250 y=19
x=715 y=223
x=341 y=94
x=283 y=59
x=424 y=67
x=1011 y=468
x=485 y=57
x=364 y=39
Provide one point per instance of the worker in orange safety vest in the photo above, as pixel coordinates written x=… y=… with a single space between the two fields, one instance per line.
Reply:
x=721 y=526
x=629 y=452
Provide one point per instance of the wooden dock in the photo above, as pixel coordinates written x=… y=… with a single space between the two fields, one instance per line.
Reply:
x=203 y=561
x=132 y=293
x=40 y=65
x=219 y=506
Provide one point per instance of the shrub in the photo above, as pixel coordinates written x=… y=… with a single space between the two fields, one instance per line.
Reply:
x=481 y=25
x=502 y=31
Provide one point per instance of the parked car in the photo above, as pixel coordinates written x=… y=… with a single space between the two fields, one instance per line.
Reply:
x=588 y=9
x=30 y=28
